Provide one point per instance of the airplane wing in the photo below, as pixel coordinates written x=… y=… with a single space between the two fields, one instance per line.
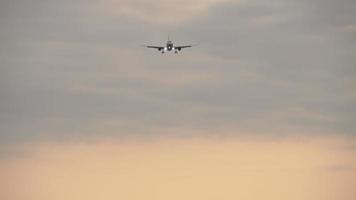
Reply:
x=182 y=47
x=155 y=47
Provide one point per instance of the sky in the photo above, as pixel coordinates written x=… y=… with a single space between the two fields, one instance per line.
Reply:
x=268 y=92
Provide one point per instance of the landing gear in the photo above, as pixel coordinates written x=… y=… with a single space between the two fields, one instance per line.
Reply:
x=175 y=52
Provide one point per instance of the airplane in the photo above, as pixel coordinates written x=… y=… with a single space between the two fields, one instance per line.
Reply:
x=169 y=47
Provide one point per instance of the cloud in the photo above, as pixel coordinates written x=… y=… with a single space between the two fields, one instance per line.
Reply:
x=173 y=11
x=76 y=70
x=349 y=28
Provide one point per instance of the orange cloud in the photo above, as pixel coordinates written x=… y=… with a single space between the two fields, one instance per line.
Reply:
x=208 y=169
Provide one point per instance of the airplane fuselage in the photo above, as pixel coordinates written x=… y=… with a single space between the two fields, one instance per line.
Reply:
x=169 y=46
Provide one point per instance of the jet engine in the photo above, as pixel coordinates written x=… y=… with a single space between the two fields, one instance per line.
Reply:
x=164 y=50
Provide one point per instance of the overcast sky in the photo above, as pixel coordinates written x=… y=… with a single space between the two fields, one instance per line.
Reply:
x=264 y=107
x=76 y=70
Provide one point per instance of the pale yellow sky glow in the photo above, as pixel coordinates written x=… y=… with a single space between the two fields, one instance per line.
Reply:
x=199 y=169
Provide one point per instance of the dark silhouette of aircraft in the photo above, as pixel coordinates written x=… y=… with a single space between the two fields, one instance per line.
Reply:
x=169 y=47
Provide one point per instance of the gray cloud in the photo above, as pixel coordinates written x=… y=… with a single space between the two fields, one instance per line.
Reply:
x=70 y=70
